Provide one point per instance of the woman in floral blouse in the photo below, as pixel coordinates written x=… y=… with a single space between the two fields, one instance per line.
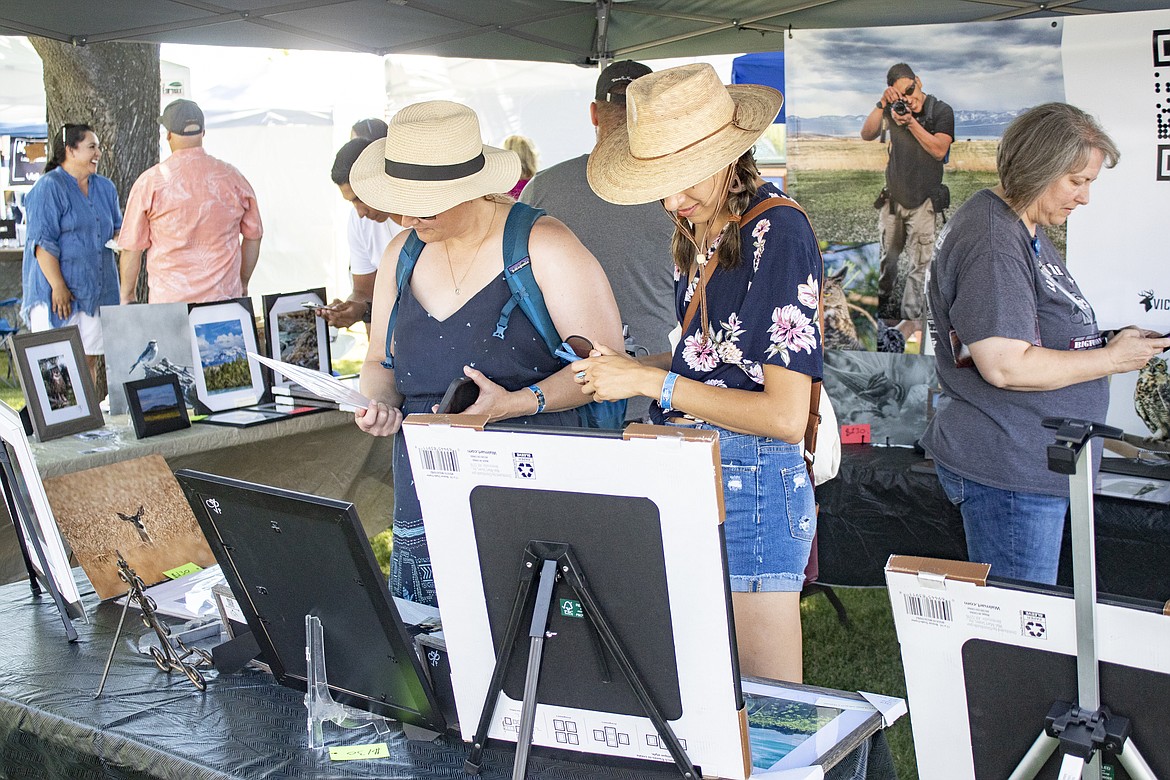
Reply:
x=751 y=342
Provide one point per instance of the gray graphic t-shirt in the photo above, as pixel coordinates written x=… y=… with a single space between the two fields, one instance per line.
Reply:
x=989 y=277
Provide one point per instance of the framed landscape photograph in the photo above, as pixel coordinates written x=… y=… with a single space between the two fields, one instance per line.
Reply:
x=295 y=334
x=54 y=377
x=222 y=335
x=156 y=405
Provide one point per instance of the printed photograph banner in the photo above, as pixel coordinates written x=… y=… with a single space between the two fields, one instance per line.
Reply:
x=1117 y=244
x=990 y=73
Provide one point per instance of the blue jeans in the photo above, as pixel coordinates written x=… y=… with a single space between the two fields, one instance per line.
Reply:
x=1018 y=533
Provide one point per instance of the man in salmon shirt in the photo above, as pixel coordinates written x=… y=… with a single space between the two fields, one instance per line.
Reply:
x=196 y=215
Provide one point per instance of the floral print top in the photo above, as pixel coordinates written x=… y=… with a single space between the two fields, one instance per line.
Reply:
x=762 y=312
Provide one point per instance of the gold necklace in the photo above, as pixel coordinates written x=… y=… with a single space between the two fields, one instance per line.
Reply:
x=451 y=268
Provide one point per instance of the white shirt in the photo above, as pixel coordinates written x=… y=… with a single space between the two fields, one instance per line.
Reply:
x=367 y=241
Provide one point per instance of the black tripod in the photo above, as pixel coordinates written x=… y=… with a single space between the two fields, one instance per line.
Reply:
x=1083 y=729
x=543 y=565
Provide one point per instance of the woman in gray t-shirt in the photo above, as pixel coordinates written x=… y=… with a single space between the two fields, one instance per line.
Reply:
x=1016 y=341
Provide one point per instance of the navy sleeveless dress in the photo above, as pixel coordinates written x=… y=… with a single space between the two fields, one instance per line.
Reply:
x=428 y=354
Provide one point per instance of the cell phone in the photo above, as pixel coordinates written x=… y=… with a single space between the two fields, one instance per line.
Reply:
x=461 y=393
x=311 y=305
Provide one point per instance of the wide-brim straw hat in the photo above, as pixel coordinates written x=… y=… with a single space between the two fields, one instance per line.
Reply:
x=433 y=158
x=682 y=126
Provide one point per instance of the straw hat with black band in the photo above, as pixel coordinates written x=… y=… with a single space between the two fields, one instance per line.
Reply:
x=682 y=127
x=432 y=159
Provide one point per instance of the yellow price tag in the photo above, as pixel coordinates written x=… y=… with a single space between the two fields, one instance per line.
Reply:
x=359 y=752
x=181 y=571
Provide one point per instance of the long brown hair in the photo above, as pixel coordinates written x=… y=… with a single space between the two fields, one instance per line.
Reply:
x=744 y=177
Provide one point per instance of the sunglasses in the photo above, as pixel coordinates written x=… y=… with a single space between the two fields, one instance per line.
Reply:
x=574 y=348
x=910 y=89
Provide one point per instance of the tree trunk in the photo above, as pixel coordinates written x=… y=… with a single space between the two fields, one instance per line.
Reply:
x=114 y=88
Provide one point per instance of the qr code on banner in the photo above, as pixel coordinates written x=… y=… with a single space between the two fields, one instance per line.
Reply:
x=1161 y=48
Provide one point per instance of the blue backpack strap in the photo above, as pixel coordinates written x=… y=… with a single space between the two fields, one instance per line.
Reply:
x=518 y=274
x=407 y=258
x=526 y=294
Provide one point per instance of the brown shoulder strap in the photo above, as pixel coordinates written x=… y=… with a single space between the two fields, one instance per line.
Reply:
x=814 y=401
x=693 y=306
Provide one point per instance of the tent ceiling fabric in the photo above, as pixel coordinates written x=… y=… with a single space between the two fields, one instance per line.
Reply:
x=572 y=31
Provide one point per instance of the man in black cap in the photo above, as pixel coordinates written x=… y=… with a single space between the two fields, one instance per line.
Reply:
x=198 y=217
x=632 y=243
x=922 y=129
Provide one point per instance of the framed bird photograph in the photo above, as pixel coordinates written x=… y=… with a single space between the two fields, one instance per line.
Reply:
x=145 y=341
x=294 y=333
x=156 y=405
x=55 y=379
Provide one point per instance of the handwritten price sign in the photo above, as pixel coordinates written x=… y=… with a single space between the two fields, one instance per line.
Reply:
x=855 y=434
x=359 y=752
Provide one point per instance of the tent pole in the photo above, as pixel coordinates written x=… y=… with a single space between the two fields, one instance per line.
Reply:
x=601 y=50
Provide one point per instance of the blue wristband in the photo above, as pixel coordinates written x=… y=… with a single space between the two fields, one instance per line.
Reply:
x=539 y=398
x=667 y=394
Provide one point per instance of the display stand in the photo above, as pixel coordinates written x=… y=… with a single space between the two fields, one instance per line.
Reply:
x=543 y=565
x=1083 y=729
x=319 y=701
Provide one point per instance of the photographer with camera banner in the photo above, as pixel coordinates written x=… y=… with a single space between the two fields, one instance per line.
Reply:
x=921 y=129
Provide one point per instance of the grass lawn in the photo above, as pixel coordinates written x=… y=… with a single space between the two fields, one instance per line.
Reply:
x=840 y=202
x=862 y=657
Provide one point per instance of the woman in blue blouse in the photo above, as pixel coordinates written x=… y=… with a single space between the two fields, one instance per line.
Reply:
x=69 y=271
x=751 y=344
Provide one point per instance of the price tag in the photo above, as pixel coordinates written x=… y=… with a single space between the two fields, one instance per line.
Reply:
x=182 y=571
x=359 y=752
x=855 y=434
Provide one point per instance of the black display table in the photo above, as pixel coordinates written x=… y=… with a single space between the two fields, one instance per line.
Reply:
x=147 y=725
x=887 y=500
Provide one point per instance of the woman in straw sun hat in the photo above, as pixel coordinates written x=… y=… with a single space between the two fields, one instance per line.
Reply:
x=434 y=169
x=747 y=282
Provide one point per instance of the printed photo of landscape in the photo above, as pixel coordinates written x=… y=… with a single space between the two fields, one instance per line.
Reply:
x=223 y=356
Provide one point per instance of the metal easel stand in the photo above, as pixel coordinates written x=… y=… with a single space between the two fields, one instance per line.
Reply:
x=166 y=656
x=544 y=563
x=319 y=701
x=22 y=516
x=1083 y=729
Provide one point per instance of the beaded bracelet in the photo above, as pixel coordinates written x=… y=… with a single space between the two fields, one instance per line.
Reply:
x=539 y=398
x=667 y=394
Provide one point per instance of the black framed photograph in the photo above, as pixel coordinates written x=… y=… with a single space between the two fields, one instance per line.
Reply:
x=55 y=380
x=156 y=405
x=295 y=334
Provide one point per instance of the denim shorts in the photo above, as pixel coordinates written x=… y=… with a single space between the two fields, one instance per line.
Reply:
x=770 y=509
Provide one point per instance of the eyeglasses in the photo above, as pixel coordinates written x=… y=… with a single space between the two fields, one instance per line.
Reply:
x=574 y=348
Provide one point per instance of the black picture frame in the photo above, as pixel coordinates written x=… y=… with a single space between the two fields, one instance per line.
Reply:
x=295 y=334
x=286 y=555
x=55 y=379
x=156 y=405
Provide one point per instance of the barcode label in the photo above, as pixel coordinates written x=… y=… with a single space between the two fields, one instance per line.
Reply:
x=439 y=459
x=931 y=607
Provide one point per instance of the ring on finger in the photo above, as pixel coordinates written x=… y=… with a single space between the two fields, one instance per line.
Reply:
x=580 y=375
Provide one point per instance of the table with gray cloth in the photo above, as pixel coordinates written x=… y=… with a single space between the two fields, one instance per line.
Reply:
x=151 y=725
x=322 y=454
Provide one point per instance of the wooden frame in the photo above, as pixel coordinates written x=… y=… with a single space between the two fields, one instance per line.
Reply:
x=156 y=405
x=55 y=379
